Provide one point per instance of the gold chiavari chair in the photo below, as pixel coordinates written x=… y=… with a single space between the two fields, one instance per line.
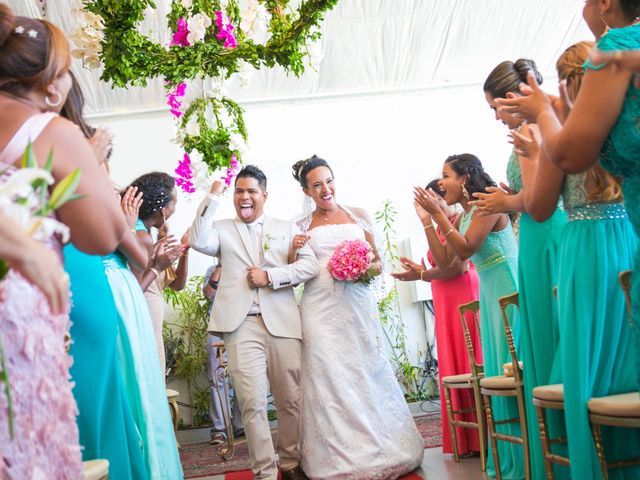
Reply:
x=467 y=381
x=504 y=386
x=220 y=377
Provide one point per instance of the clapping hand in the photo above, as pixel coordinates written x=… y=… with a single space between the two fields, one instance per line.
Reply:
x=165 y=252
x=412 y=270
x=101 y=144
x=529 y=106
x=423 y=215
x=527 y=144
x=218 y=187
x=428 y=200
x=130 y=204
x=494 y=201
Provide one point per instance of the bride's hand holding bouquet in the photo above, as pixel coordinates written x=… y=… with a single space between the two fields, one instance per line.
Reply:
x=353 y=261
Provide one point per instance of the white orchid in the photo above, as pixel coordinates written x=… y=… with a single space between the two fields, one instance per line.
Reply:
x=197 y=25
x=255 y=21
x=187 y=3
x=237 y=143
x=192 y=129
x=245 y=73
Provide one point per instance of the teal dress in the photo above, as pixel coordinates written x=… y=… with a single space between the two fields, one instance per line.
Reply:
x=496 y=264
x=106 y=425
x=537 y=275
x=596 y=349
x=621 y=156
x=143 y=379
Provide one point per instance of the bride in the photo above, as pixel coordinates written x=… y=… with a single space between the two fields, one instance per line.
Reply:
x=355 y=421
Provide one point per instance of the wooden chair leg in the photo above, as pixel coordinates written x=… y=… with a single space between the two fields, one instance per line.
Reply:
x=175 y=414
x=452 y=428
x=491 y=430
x=482 y=431
x=544 y=439
x=524 y=431
x=597 y=437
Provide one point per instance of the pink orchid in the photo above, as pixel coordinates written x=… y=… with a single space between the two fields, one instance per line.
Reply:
x=180 y=36
x=232 y=171
x=184 y=174
x=225 y=27
x=173 y=99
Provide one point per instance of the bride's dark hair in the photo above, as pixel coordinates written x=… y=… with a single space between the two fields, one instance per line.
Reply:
x=302 y=168
x=467 y=164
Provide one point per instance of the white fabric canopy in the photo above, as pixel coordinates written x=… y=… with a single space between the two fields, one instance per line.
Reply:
x=371 y=46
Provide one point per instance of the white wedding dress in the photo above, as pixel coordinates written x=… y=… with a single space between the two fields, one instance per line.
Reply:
x=355 y=420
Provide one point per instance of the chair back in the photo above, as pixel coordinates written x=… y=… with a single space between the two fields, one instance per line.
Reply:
x=504 y=303
x=477 y=370
x=625 y=282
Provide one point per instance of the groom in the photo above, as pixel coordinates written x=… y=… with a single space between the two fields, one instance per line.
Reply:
x=256 y=311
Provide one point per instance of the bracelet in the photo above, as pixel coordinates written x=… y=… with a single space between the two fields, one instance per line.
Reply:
x=422 y=273
x=154 y=271
x=213 y=284
x=448 y=232
x=427 y=227
x=133 y=230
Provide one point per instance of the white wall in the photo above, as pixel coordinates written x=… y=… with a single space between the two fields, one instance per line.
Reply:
x=379 y=147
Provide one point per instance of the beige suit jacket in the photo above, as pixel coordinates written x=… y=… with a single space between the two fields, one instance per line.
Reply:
x=229 y=241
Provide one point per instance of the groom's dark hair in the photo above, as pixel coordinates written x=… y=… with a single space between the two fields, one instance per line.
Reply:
x=253 y=172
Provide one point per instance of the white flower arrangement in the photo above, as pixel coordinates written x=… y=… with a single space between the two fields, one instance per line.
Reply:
x=88 y=39
x=198 y=25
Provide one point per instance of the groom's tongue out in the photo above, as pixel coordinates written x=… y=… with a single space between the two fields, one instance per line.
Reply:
x=246 y=212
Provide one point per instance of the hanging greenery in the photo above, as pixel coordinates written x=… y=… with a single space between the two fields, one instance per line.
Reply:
x=210 y=39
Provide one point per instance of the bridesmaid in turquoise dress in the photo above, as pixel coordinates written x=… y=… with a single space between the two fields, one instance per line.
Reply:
x=597 y=244
x=139 y=362
x=489 y=242
x=106 y=425
x=537 y=263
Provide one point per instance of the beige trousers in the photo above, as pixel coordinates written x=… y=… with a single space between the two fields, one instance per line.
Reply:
x=254 y=358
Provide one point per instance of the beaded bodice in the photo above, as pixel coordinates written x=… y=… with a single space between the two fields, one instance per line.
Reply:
x=497 y=248
x=621 y=150
x=514 y=176
x=575 y=198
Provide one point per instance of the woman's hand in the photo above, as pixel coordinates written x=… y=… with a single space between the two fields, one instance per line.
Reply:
x=165 y=253
x=412 y=270
x=423 y=215
x=101 y=144
x=529 y=106
x=494 y=201
x=130 y=204
x=526 y=143
x=184 y=242
x=619 y=60
x=428 y=200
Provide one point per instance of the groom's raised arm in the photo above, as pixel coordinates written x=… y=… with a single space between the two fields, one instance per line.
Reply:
x=304 y=268
x=203 y=236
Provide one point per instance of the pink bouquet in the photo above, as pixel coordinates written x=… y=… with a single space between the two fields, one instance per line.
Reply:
x=351 y=261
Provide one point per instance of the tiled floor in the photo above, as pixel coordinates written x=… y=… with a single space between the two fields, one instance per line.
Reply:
x=436 y=466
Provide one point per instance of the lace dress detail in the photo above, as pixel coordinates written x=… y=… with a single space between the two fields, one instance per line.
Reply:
x=497 y=248
x=355 y=421
x=45 y=443
x=513 y=172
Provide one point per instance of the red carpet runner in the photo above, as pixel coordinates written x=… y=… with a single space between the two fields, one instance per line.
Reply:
x=246 y=475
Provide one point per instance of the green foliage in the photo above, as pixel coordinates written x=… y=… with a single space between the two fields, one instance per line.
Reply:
x=130 y=58
x=185 y=340
x=4 y=379
x=411 y=377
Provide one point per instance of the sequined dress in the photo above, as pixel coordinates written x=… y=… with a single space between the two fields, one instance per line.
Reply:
x=496 y=264
x=355 y=422
x=537 y=275
x=596 y=348
x=621 y=156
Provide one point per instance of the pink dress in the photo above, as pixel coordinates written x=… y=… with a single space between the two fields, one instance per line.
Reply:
x=453 y=358
x=45 y=443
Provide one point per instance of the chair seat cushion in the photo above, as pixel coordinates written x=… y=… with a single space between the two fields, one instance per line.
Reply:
x=621 y=405
x=551 y=393
x=95 y=469
x=172 y=393
x=462 y=378
x=499 y=382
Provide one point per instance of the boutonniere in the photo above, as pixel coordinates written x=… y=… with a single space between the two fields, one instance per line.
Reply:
x=266 y=241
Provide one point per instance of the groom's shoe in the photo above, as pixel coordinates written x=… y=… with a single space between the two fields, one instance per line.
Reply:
x=294 y=473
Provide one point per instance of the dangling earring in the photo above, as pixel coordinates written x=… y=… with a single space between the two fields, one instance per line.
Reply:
x=51 y=103
x=465 y=192
x=606 y=25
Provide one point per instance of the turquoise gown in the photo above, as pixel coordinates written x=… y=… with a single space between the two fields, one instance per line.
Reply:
x=539 y=338
x=143 y=379
x=496 y=264
x=106 y=425
x=596 y=349
x=621 y=156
